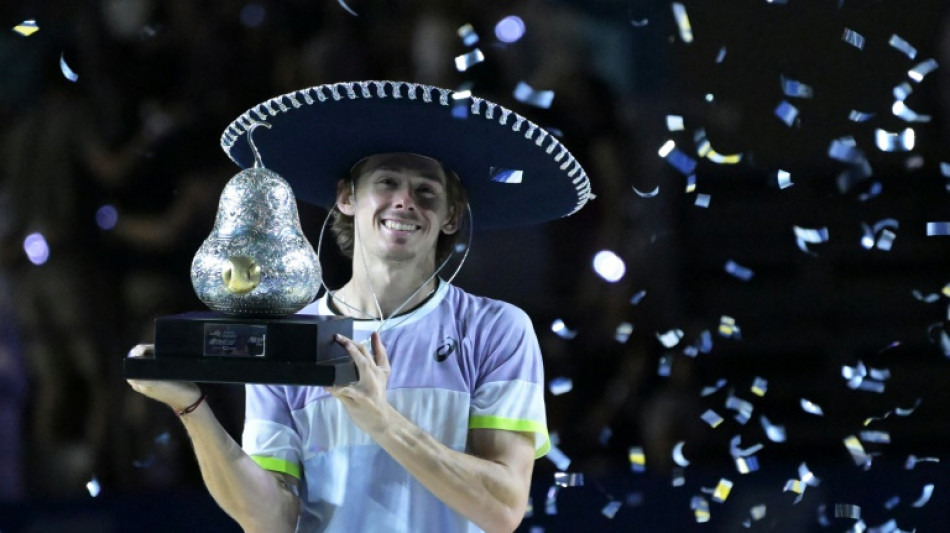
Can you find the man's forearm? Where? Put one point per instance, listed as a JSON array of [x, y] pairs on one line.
[[490, 494], [252, 496]]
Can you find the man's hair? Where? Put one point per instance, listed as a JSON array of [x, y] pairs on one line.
[[457, 201]]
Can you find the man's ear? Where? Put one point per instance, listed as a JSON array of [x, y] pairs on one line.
[[451, 225], [344, 197]]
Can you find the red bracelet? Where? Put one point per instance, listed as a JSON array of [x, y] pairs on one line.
[[193, 406]]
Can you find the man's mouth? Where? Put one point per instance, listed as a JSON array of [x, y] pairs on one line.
[[400, 226]]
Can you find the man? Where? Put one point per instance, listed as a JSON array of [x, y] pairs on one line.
[[442, 428]]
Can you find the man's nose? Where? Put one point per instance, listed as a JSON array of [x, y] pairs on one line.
[[404, 199]]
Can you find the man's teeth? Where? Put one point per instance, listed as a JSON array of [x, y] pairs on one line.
[[400, 226]]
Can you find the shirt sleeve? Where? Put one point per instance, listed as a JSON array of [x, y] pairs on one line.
[[270, 437], [509, 389]]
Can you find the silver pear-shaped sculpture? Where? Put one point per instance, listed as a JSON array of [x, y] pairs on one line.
[[256, 261]]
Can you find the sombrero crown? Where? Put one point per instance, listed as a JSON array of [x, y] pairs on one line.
[[515, 172]]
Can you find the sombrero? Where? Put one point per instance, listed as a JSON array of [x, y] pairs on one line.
[[515, 172]]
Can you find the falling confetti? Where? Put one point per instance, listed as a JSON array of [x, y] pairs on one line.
[[853, 38], [721, 55], [561, 330], [678, 456], [900, 44], [702, 200], [938, 228], [503, 175], [786, 112], [671, 338], [674, 122], [609, 266], [857, 452], [775, 433], [912, 461], [651, 194], [26, 28], [920, 70], [700, 508], [468, 35], [784, 179], [468, 60], [559, 386], [525, 94], [924, 496], [67, 72], [666, 366], [738, 271], [622, 334], [894, 142], [93, 487], [759, 386], [722, 490], [610, 510], [860, 116], [713, 389], [796, 89], [742, 407], [677, 158], [682, 22], [638, 297], [347, 8], [728, 327], [847, 510], [565, 479], [876, 437], [637, 459], [712, 418], [806, 236], [812, 408]]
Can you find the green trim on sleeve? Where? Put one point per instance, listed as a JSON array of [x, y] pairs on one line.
[[542, 442], [277, 465]]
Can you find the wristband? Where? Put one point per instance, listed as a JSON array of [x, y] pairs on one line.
[[193, 406]]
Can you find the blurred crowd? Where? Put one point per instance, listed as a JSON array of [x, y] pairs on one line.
[[109, 183]]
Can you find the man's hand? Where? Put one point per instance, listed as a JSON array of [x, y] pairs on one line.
[[176, 394], [365, 400]]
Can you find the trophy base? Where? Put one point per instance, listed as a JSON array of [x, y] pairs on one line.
[[216, 348]]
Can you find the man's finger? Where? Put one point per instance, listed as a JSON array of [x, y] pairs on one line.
[[379, 351]]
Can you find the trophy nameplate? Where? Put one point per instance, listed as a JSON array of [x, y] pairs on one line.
[[213, 347]]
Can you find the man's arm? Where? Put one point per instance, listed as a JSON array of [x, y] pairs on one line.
[[257, 499], [490, 486]]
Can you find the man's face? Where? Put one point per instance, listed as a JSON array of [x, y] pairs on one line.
[[400, 208]]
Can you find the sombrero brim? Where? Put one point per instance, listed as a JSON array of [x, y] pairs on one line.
[[319, 133]]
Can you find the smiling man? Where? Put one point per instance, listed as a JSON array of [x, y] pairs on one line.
[[441, 431]]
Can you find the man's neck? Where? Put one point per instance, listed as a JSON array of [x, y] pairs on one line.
[[393, 285]]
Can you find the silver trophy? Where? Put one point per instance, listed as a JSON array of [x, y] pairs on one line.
[[254, 271]]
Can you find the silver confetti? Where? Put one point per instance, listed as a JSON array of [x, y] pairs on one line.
[[682, 22], [526, 94], [760, 386], [806, 236], [623, 332], [900, 44], [728, 328], [559, 458], [678, 456], [853, 38], [738, 271], [713, 389], [876, 437], [736, 451], [784, 179], [900, 411], [636, 298], [671, 338], [847, 510], [892, 502], [702, 200], [938, 228], [901, 111], [857, 452], [912, 461], [674, 122], [924, 496], [504, 175], [860, 116], [921, 70], [550, 501], [651, 194], [93, 487], [468, 60], [902, 91], [639, 23], [610, 510], [560, 329], [926, 298], [679, 479], [811, 408], [742, 407], [845, 149], [666, 366], [796, 89], [677, 158], [786, 112], [721, 55], [894, 142], [468, 35], [712, 418], [559, 386], [565, 479], [26, 28], [347, 8], [746, 465], [67, 72], [722, 490], [637, 459]]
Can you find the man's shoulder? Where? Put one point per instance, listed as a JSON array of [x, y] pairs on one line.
[[486, 308]]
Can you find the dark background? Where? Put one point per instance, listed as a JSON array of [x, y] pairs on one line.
[[158, 82]]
